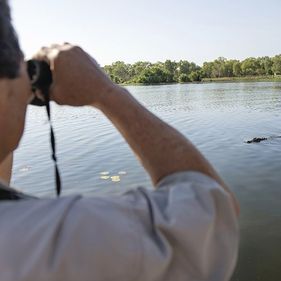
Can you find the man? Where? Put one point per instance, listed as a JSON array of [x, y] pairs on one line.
[[185, 230]]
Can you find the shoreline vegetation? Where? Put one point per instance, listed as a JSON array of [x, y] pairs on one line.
[[259, 78], [261, 69]]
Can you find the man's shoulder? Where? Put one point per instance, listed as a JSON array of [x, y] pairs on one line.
[[136, 234]]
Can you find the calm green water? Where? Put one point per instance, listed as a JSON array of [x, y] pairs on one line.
[[218, 118]]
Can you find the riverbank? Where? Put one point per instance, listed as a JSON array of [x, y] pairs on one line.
[[261, 78], [270, 78]]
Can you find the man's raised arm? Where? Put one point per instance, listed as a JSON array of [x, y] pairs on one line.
[[162, 150]]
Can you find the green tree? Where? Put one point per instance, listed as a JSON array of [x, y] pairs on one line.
[[266, 64], [228, 68], [184, 71], [195, 76], [183, 78], [139, 67], [250, 66], [207, 69], [183, 67], [121, 71], [237, 71], [276, 67], [170, 68], [219, 67], [153, 75]]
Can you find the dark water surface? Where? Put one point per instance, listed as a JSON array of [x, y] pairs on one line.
[[218, 118]]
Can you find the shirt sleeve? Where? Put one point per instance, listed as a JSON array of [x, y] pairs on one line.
[[188, 229], [185, 230]]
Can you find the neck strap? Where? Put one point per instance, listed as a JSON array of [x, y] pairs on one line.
[[41, 80], [53, 142]]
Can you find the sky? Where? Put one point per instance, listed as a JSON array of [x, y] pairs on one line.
[[152, 30]]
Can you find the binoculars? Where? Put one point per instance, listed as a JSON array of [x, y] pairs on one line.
[[40, 76]]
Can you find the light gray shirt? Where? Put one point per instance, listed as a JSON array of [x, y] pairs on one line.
[[186, 230]]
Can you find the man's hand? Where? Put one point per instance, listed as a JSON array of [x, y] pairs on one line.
[[78, 80]]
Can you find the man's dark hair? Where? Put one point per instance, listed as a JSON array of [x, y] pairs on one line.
[[10, 53]]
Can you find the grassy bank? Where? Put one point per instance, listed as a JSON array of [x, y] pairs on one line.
[[263, 78], [216, 80]]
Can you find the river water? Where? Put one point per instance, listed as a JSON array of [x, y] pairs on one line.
[[217, 117]]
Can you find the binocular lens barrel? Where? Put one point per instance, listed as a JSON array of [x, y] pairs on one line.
[[40, 76]]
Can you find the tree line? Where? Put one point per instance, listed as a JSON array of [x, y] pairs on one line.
[[184, 71]]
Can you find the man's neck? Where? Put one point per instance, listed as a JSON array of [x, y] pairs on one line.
[[6, 169]]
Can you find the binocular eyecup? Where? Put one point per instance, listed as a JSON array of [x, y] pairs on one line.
[[40, 76]]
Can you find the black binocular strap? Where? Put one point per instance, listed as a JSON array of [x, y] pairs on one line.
[[45, 92]]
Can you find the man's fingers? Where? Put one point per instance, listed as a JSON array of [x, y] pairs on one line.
[[55, 46], [49, 54], [42, 54]]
